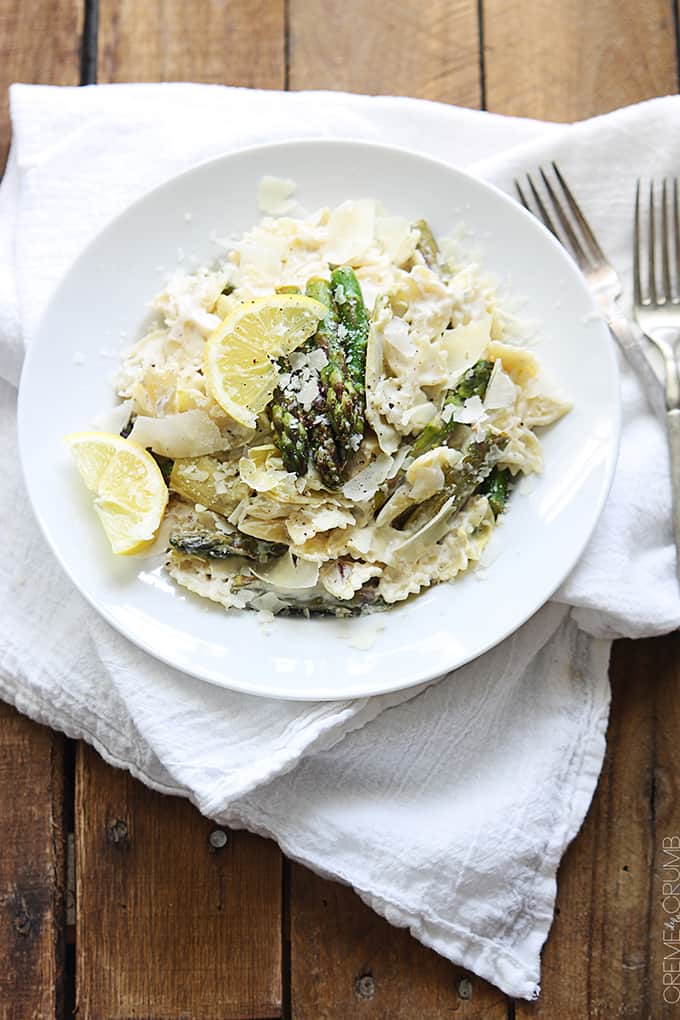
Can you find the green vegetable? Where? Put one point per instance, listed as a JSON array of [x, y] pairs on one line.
[[354, 318], [460, 482], [427, 246], [209, 544], [473, 383], [332, 429], [290, 432], [325, 453], [496, 488], [343, 405]]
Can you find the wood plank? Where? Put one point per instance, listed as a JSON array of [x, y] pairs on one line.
[[32, 876], [604, 956], [347, 961], [29, 54], [423, 48], [661, 967], [232, 42], [32, 862], [565, 61], [169, 926]]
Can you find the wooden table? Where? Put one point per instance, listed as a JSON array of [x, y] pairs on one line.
[[121, 901]]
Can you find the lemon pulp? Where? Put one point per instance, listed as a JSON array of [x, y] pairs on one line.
[[239, 356], [130, 494]]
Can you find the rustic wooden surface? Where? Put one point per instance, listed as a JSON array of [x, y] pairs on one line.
[[197, 924], [25, 54], [32, 875], [430, 50], [168, 926], [566, 61]]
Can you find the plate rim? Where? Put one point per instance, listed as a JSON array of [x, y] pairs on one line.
[[266, 690]]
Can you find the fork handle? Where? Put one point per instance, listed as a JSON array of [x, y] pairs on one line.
[[632, 347], [673, 420]]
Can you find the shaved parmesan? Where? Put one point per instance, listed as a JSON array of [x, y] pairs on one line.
[[274, 195], [471, 413], [260, 476], [365, 483], [187, 434], [317, 359], [465, 345], [115, 419], [396, 237], [350, 231], [267, 604], [397, 335], [501, 391], [288, 573], [426, 473]]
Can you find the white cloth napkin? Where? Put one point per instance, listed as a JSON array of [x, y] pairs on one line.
[[448, 808]]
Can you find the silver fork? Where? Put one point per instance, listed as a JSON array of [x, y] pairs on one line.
[[657, 311], [657, 307], [575, 233]]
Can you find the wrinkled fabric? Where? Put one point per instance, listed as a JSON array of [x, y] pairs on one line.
[[447, 807]]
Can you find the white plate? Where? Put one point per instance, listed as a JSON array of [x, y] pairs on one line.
[[544, 532]]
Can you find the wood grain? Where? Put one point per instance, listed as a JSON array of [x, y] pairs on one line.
[[28, 53], [167, 926], [423, 48], [232, 42], [565, 61], [32, 860], [347, 961], [32, 873], [604, 956]]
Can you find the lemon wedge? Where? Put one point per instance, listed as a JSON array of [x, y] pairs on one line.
[[239, 355], [130, 494]]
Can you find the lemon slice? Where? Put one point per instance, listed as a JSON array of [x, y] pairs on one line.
[[239, 355], [129, 490]]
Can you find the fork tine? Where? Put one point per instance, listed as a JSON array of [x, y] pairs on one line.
[[637, 282], [676, 234], [591, 240], [577, 247], [665, 238], [522, 199], [545, 215], [651, 243]]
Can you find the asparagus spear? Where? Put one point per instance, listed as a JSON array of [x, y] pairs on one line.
[[461, 482], [290, 431], [354, 318], [345, 405], [333, 427], [473, 383], [219, 546], [496, 488], [427, 246], [324, 450]]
